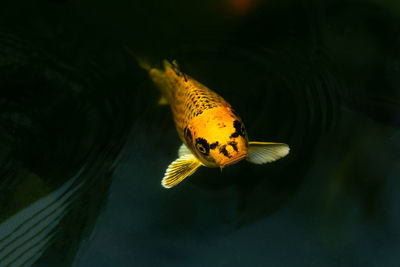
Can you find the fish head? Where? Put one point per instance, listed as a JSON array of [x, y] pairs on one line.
[[219, 138]]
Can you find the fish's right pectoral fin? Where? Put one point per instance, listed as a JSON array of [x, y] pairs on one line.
[[178, 170]]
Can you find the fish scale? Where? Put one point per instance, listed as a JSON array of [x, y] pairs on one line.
[[188, 99]]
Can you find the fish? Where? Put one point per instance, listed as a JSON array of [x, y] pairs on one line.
[[212, 133]]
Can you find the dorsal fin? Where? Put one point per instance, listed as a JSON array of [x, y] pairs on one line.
[[175, 66]]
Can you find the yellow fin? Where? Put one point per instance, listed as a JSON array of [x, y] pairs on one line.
[[264, 152], [179, 170], [184, 150], [163, 101]]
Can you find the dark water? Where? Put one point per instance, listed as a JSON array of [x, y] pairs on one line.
[[84, 145]]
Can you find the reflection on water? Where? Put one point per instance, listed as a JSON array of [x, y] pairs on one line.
[[55, 123], [84, 145], [25, 235]]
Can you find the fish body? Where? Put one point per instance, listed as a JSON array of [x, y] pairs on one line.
[[212, 133]]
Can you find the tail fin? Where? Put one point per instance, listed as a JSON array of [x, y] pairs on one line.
[[144, 64]]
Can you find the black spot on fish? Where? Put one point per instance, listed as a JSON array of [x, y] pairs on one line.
[[214, 145], [237, 125], [239, 129], [202, 146], [234, 135], [234, 145], [224, 151]]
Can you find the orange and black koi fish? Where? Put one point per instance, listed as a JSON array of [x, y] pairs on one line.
[[213, 134]]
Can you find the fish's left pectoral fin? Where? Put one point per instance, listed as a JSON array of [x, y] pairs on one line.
[[178, 170], [264, 152]]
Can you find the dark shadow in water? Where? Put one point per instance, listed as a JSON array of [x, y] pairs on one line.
[[60, 132]]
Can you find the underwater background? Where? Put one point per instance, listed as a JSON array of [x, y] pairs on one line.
[[84, 145]]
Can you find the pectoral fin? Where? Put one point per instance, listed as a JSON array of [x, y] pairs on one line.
[[184, 150], [264, 152], [179, 170], [163, 101]]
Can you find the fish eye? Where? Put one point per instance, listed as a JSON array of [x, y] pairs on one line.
[[201, 148]]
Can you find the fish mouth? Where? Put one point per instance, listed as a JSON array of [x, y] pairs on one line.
[[233, 161]]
